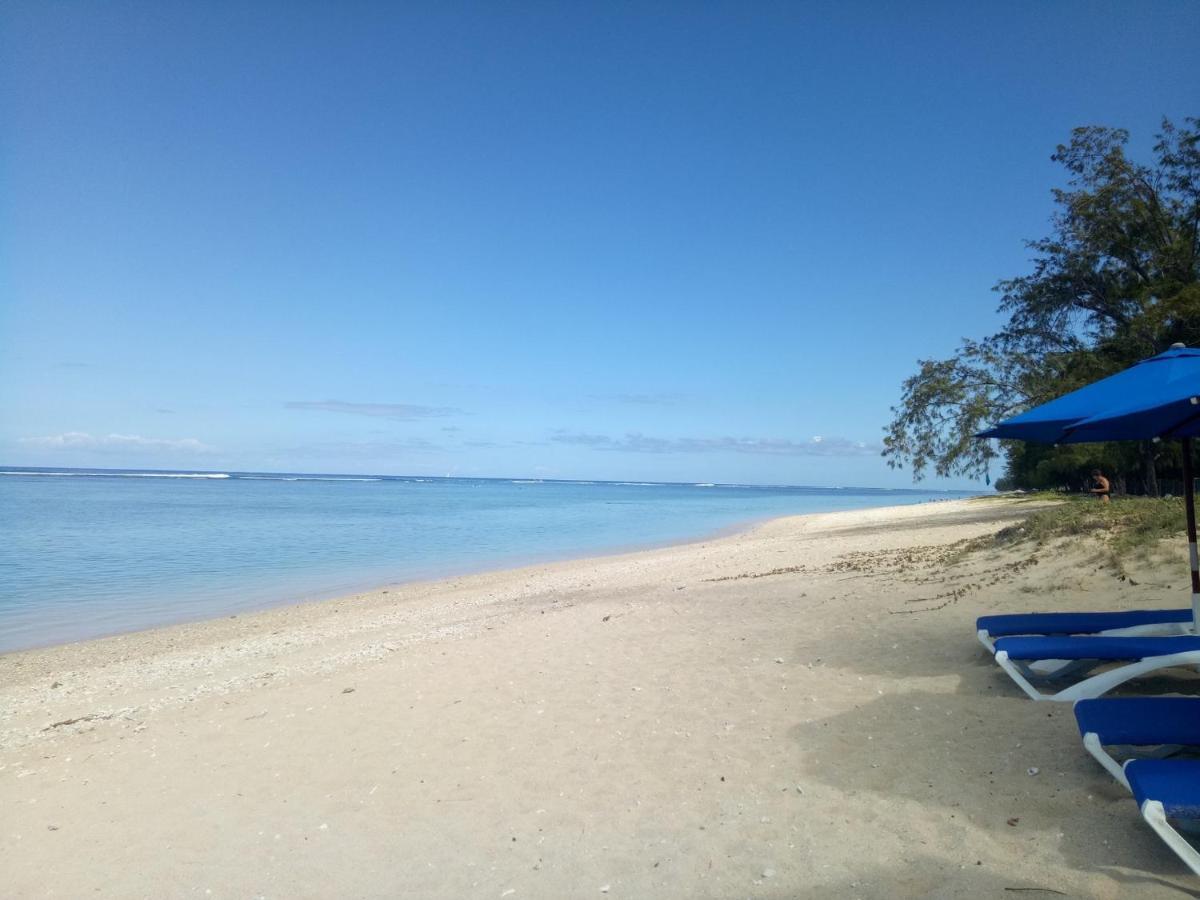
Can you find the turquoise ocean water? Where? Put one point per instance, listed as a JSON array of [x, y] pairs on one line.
[[86, 552]]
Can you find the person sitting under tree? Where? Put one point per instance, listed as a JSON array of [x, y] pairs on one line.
[[1100, 486]]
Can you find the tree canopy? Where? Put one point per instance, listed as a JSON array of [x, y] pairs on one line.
[[1117, 280]]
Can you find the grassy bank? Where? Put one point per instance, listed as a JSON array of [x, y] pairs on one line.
[[1128, 527]]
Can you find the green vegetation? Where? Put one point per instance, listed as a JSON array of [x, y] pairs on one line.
[[1129, 527], [1117, 280]]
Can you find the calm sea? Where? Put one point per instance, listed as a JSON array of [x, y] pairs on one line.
[[87, 552]]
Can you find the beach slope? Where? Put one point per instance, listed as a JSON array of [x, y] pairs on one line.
[[799, 710]]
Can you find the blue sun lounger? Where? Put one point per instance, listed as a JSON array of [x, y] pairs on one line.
[[1162, 722], [1024, 659], [1168, 791], [1131, 622]]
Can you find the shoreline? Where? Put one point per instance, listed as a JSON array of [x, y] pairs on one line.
[[473, 594], [800, 709], [243, 638], [283, 598]]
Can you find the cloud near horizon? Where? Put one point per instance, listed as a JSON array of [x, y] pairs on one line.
[[81, 440], [640, 443], [401, 412]]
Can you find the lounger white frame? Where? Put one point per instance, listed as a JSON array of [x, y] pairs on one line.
[[1156, 818], [1101, 683], [1091, 743]]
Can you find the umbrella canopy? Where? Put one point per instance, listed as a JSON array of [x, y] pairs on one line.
[[1145, 401], [1156, 398], [1175, 419]]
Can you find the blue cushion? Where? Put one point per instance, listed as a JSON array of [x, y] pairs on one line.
[[1143, 721], [1075, 622], [1175, 783], [1095, 647]]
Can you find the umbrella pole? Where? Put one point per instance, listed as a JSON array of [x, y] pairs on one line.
[[1189, 501]]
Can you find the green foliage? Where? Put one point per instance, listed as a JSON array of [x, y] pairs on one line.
[[1127, 527], [1043, 467], [1117, 280]]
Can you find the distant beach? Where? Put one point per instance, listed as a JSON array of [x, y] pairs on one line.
[[797, 710], [89, 552]]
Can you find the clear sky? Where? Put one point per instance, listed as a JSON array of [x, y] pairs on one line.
[[693, 241]]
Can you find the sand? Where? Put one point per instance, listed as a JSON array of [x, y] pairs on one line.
[[799, 710]]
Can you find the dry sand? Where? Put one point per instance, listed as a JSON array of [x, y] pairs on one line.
[[658, 724]]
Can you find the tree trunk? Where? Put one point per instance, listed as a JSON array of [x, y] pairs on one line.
[[1149, 476]]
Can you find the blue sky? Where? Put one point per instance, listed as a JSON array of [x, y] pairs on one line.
[[699, 242]]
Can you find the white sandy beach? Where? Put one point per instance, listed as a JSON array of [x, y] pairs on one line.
[[658, 724]]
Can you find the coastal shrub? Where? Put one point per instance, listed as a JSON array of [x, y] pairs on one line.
[[1128, 527]]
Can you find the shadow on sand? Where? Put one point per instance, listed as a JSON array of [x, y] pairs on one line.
[[974, 769]]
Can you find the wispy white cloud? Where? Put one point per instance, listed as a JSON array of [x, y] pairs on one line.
[[640, 443], [82, 440], [403, 412]]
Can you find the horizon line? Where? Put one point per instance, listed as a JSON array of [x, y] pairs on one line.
[[528, 479]]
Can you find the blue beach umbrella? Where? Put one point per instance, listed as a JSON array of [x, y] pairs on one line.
[[1145, 398], [1174, 419], [1157, 398]]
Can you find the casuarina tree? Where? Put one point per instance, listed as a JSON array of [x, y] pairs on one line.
[[1117, 280]]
